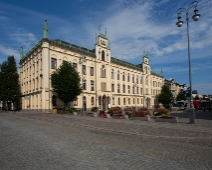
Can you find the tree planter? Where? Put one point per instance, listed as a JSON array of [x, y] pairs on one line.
[[75, 113], [167, 119]]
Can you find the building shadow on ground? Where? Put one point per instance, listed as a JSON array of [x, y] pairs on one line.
[[198, 115]]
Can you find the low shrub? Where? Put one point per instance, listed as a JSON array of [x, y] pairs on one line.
[[115, 110], [141, 112], [62, 112], [161, 112], [138, 114], [70, 110], [129, 110], [94, 109]]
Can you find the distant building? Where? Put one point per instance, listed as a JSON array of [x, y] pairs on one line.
[[175, 87], [105, 79]]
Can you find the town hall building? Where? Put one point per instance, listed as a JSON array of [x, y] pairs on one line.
[[106, 81]]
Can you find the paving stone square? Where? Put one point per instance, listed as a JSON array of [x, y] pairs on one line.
[[33, 140]]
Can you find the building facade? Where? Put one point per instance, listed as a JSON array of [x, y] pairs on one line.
[[175, 88], [106, 81]]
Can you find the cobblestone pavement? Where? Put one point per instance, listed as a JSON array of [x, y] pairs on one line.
[[51, 141]]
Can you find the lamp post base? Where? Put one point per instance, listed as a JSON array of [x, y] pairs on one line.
[[191, 115]]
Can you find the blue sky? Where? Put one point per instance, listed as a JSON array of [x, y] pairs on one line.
[[133, 26]]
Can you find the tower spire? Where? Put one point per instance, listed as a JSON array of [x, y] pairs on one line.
[[21, 53], [161, 72], [45, 30], [99, 29]]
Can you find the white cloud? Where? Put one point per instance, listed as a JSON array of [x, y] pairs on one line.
[[8, 51]]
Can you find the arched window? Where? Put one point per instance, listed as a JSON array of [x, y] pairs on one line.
[[141, 80], [100, 100], [124, 101], [112, 74], [103, 55], [119, 101], [103, 71], [123, 76], [147, 81], [118, 75]]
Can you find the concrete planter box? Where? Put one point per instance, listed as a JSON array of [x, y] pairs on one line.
[[167, 119], [108, 115], [139, 118], [126, 116], [95, 114]]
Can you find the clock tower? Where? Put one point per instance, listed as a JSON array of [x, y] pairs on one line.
[[102, 47], [146, 64]]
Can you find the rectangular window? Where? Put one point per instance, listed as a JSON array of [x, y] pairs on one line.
[[141, 81], [84, 69], [129, 89], [137, 90], [112, 87], [103, 73], [75, 103], [118, 88], [53, 63], [92, 85], [84, 84], [103, 86], [91, 71], [75, 66], [123, 88], [147, 91], [141, 91]]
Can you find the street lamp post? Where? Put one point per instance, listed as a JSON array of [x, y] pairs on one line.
[[195, 17], [82, 59], [135, 86]]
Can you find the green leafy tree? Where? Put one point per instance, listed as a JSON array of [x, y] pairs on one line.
[[181, 97], [65, 83], [165, 97], [9, 81], [196, 97]]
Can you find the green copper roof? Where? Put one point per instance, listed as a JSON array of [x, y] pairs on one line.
[[156, 74], [124, 63], [73, 47]]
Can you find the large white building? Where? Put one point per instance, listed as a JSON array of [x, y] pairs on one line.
[[105, 80]]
